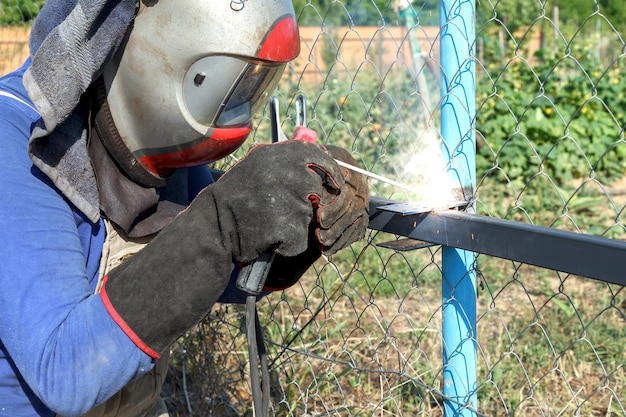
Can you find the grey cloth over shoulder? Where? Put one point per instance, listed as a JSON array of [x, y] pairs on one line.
[[70, 41]]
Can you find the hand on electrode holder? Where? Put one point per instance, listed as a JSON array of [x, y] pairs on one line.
[[334, 226], [289, 196], [279, 192]]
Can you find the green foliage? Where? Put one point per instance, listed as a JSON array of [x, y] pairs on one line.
[[359, 12], [576, 11], [546, 129], [351, 12], [19, 11], [559, 118], [515, 14], [511, 14]]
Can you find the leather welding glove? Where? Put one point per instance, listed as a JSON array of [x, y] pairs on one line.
[[268, 200], [286, 271]]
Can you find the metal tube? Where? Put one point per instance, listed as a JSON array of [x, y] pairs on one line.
[[458, 108], [589, 256]]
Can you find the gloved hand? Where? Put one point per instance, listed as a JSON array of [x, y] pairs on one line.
[[288, 201], [277, 197], [286, 271]]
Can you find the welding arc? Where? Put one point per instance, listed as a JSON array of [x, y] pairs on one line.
[[376, 176]]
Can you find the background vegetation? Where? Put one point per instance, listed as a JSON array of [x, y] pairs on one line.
[[512, 13], [15, 12]]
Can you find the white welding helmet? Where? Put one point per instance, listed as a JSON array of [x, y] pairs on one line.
[[183, 88]]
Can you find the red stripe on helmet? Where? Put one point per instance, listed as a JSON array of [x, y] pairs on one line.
[[282, 43], [220, 143]]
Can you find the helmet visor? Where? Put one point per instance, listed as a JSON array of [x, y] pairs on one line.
[[252, 90], [225, 91]]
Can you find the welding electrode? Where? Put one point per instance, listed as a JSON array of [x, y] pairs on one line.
[[376, 176]]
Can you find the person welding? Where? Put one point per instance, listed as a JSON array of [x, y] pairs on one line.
[[115, 239]]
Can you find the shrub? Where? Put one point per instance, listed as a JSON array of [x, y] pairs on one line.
[[562, 117], [19, 11]]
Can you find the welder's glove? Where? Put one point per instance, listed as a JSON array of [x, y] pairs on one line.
[[286, 271], [274, 198]]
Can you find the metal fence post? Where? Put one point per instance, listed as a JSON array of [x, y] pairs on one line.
[[458, 108]]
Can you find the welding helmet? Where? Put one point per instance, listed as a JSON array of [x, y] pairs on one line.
[[183, 88]]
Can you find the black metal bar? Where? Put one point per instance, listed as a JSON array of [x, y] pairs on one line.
[[589, 256]]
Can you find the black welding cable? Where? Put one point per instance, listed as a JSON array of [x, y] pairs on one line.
[[253, 355], [256, 349], [265, 373]]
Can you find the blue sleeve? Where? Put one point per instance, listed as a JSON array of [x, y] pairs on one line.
[[60, 337], [199, 178]]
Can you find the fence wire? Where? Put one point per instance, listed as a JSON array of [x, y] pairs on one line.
[[361, 333]]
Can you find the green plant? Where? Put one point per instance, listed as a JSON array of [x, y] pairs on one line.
[[554, 124], [19, 11], [547, 126]]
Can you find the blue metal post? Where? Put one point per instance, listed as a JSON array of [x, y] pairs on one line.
[[458, 108]]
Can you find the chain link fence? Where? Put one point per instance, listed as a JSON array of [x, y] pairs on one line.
[[361, 333]]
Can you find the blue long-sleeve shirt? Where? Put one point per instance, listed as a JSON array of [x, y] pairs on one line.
[[60, 351]]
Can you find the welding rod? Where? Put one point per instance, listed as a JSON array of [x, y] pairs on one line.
[[301, 121], [376, 176]]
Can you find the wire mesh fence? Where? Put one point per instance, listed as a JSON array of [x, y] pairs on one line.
[[361, 333]]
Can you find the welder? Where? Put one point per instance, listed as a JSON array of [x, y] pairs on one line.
[[114, 239]]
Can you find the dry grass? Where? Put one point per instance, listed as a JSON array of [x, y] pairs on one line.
[[546, 346]]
